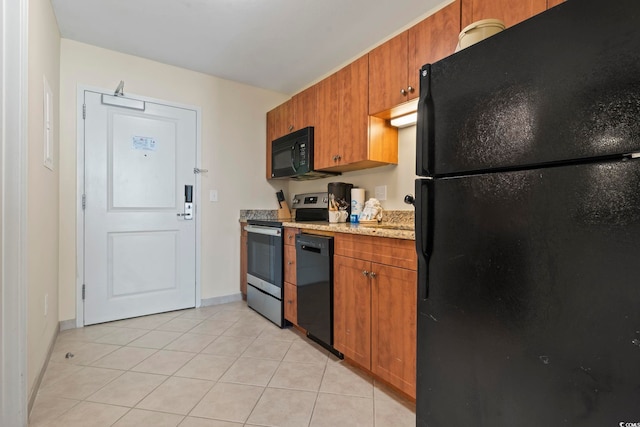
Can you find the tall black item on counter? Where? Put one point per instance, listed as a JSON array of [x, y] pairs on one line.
[[528, 226], [340, 196]]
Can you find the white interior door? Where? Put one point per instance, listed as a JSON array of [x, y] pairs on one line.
[[139, 247]]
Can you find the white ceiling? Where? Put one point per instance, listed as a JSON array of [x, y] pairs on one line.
[[281, 45]]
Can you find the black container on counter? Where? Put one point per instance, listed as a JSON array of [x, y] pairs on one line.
[[340, 197]]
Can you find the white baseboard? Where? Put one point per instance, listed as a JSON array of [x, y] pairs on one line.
[[67, 324], [36, 387], [221, 300]]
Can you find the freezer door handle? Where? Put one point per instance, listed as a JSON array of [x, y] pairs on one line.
[[424, 218], [425, 131]]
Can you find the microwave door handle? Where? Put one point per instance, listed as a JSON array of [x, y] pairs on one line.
[[294, 154]]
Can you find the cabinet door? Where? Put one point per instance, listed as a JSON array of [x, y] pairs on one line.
[[352, 309], [305, 106], [431, 40], [291, 302], [290, 264], [388, 74], [243, 260], [279, 121], [509, 11], [326, 130], [393, 326], [354, 108]]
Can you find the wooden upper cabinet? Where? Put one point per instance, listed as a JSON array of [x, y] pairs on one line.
[[305, 107], [394, 66], [430, 40], [346, 138], [354, 117], [388, 74], [510, 12], [551, 3], [326, 130]]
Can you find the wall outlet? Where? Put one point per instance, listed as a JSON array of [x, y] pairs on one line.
[[381, 192], [213, 195], [46, 304]]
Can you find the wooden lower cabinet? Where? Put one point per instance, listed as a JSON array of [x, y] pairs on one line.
[[352, 309], [375, 308], [290, 282], [291, 302], [243, 260], [393, 326]]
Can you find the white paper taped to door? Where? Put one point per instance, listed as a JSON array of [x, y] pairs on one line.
[[144, 143]]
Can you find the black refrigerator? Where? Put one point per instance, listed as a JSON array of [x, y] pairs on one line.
[[528, 224]]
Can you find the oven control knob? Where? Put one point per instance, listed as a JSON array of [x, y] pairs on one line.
[[296, 201]]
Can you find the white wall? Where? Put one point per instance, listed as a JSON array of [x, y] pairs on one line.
[[42, 190], [233, 150], [399, 178]]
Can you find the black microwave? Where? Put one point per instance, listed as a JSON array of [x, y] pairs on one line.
[[292, 156]]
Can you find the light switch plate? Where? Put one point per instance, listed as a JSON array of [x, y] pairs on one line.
[[213, 195]]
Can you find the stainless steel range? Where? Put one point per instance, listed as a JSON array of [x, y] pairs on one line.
[[311, 206], [265, 269]]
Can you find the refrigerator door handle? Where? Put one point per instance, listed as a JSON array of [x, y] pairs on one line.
[[425, 130], [423, 234]]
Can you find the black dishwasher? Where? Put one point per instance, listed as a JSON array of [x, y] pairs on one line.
[[314, 277]]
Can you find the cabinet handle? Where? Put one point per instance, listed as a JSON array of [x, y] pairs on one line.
[[411, 89], [290, 236], [335, 158], [372, 275], [290, 128], [289, 262], [365, 273], [339, 157], [403, 92]]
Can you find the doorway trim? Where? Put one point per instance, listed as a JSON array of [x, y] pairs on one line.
[[80, 190], [13, 206]]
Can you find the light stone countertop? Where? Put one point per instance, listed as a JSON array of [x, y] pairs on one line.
[[396, 224]]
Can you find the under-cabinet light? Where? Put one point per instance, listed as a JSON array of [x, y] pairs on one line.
[[404, 121]]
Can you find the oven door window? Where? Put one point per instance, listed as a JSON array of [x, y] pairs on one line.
[[265, 257]]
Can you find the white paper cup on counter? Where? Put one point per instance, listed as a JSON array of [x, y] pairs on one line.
[[357, 203]]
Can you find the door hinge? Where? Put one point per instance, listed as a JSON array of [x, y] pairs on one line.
[[84, 201], [83, 291], [84, 111]]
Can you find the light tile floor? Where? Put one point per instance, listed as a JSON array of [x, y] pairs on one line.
[[219, 366]]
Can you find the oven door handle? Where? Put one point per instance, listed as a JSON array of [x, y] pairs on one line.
[[268, 231]]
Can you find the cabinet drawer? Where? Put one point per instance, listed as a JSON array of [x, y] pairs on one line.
[[382, 250]]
